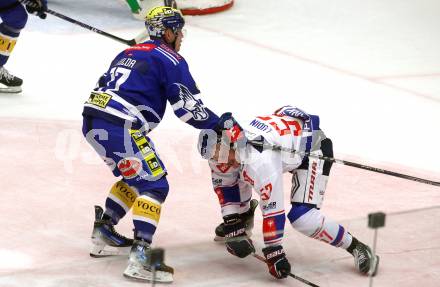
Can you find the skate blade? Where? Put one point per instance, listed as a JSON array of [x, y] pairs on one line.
[[10, 90], [138, 273], [374, 270], [219, 239], [98, 251]]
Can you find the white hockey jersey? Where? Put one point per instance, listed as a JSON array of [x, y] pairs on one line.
[[261, 169]]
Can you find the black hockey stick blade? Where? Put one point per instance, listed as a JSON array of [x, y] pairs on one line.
[[85, 26], [261, 258]]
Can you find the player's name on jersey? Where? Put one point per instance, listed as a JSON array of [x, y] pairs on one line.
[[126, 62]]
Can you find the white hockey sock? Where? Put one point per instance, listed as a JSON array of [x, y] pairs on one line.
[[315, 225]]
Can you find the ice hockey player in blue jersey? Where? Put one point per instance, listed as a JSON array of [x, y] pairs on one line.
[[255, 157], [14, 18], [128, 102]]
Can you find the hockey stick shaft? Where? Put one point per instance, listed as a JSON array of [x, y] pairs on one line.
[[85, 26], [261, 258], [349, 163]]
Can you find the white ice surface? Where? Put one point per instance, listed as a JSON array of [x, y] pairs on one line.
[[341, 61], [370, 69]]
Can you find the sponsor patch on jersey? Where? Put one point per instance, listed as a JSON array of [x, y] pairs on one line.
[[217, 181], [147, 152], [99, 99], [130, 167], [145, 149], [7, 44], [270, 205], [124, 193], [153, 164], [136, 135], [146, 208], [141, 47], [312, 180]]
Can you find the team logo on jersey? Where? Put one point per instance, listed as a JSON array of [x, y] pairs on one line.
[[223, 167], [191, 104], [130, 167]]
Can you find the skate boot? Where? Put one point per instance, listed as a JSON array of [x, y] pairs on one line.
[[139, 267], [106, 241], [9, 83], [364, 259], [247, 217]]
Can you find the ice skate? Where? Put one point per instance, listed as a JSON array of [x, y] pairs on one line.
[[139, 267], [106, 241], [9, 83], [364, 259], [248, 218]]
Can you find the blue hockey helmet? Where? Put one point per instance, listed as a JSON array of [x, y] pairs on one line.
[[160, 18]]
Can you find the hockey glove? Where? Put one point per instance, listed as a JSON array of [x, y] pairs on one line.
[[277, 262], [236, 240], [227, 123], [37, 7]]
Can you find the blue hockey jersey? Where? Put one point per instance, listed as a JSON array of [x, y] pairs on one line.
[[138, 84]]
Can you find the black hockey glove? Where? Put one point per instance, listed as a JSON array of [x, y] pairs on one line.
[[37, 7], [236, 240], [277, 262]]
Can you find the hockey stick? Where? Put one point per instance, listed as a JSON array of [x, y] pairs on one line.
[[348, 163], [88, 27], [261, 258]]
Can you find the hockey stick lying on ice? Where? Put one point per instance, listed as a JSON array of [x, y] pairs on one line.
[[349, 163], [88, 27], [261, 258]]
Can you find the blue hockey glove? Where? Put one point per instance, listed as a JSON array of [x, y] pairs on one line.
[[37, 7], [276, 261], [227, 123], [236, 240]]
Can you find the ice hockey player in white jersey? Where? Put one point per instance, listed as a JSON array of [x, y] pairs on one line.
[[255, 157]]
